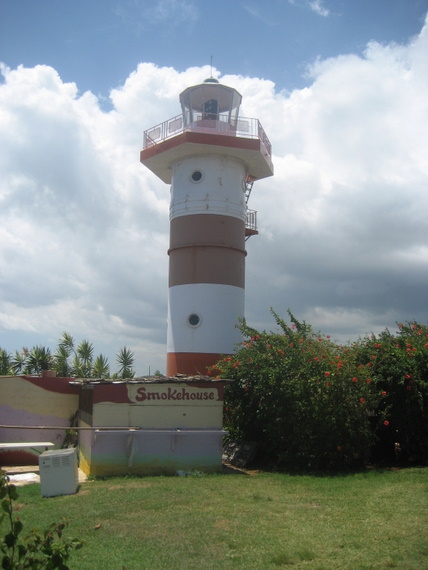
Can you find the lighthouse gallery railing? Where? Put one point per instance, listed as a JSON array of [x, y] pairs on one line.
[[242, 127]]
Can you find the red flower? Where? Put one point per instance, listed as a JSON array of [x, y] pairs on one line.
[[354, 380], [368, 381], [339, 448], [328, 384], [408, 376], [386, 423], [328, 336], [362, 400], [384, 394], [327, 374]]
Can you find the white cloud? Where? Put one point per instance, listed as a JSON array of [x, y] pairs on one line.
[[318, 7], [84, 226]]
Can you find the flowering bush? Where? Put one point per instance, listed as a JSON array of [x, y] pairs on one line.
[[400, 366], [309, 402]]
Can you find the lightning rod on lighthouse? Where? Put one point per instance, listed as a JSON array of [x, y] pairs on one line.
[[211, 156]]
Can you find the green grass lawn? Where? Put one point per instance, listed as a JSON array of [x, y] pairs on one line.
[[375, 519]]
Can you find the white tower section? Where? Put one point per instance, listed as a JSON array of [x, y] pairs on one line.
[[211, 157]]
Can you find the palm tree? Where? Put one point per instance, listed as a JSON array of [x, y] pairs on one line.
[[19, 361], [101, 368], [85, 354], [66, 342], [40, 358], [5, 362], [67, 361], [62, 365], [125, 359]]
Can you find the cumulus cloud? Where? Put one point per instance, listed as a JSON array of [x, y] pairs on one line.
[[84, 226]]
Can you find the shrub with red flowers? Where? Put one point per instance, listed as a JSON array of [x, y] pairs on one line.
[[307, 401], [312, 403], [400, 365]]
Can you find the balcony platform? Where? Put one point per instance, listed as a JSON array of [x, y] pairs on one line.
[[170, 141], [159, 158]]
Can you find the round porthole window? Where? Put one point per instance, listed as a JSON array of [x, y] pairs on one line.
[[194, 320], [197, 176]]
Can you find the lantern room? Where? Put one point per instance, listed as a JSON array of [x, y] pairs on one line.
[[210, 101]]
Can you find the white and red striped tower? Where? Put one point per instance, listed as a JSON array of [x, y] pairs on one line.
[[211, 157]]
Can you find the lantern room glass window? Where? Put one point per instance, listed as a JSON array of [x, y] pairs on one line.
[[210, 101]]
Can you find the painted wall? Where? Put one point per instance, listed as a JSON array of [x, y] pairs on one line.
[[34, 401], [178, 427], [155, 427]]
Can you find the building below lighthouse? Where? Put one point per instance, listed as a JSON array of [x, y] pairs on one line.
[[211, 157]]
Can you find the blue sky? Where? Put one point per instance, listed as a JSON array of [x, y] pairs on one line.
[[98, 43], [340, 88]]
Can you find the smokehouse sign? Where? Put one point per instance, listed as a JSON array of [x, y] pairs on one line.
[[181, 394]]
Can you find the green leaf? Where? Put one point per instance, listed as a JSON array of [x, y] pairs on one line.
[[10, 539], [17, 526]]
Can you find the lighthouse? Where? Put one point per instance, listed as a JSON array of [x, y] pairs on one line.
[[210, 156]]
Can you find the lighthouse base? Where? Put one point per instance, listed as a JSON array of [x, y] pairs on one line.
[[190, 363]]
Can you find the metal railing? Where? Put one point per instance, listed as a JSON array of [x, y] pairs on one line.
[[241, 127], [251, 222]]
